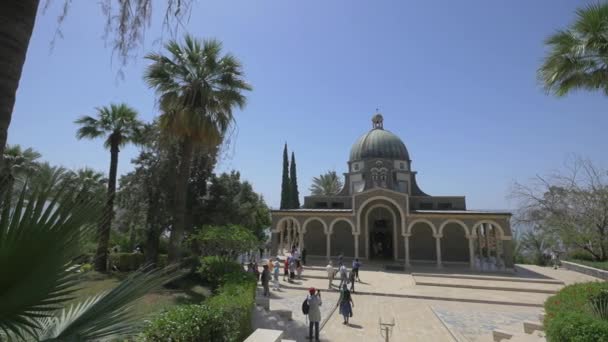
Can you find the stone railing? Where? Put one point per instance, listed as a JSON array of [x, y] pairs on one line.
[[595, 272]]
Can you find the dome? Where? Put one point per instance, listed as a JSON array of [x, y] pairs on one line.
[[379, 143]]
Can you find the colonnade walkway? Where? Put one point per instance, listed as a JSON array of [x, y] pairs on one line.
[[427, 304]]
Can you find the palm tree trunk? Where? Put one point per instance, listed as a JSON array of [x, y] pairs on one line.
[[152, 232], [181, 194], [17, 18], [101, 256]]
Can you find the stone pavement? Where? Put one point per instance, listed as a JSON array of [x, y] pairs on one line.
[[441, 311]]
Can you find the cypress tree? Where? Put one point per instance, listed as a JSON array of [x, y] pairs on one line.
[[293, 189], [285, 185]]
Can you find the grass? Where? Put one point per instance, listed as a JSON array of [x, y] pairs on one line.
[[602, 265], [182, 291]]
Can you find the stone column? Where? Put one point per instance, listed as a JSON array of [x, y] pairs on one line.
[[471, 252], [356, 237], [328, 246], [406, 240], [438, 249], [288, 238], [281, 247], [487, 230], [301, 239]]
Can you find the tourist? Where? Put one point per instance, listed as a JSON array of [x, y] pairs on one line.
[[340, 259], [299, 268], [314, 312], [346, 304], [270, 264], [286, 269], [276, 270], [292, 270], [250, 267], [266, 281], [304, 255], [356, 266], [343, 276], [351, 279], [296, 253], [554, 259], [256, 271], [331, 272]]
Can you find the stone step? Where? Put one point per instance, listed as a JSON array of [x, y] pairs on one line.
[[265, 335], [288, 341], [499, 335], [532, 326], [490, 277]]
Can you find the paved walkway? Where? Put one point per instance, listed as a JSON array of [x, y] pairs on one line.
[[441, 311]]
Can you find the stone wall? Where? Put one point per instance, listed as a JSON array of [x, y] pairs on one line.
[[595, 272]]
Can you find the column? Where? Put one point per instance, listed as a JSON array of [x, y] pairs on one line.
[[288, 228], [471, 252], [356, 237], [406, 240], [438, 249], [280, 252], [301, 240], [487, 230], [328, 246]]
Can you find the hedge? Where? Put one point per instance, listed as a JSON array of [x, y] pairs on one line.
[[568, 316], [225, 317], [214, 270], [124, 262]]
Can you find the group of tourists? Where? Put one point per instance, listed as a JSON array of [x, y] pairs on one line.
[[346, 277], [293, 267]]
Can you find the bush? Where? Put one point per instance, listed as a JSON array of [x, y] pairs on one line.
[[569, 316], [86, 267], [223, 317], [581, 254], [125, 262], [215, 269]]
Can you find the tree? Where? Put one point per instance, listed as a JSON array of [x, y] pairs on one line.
[[285, 183], [293, 188], [125, 21], [570, 206], [225, 241], [198, 89], [120, 124], [327, 184], [43, 232], [19, 165], [578, 55]]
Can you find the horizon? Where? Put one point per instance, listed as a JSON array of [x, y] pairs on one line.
[[474, 119]]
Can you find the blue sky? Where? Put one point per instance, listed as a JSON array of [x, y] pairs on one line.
[[456, 80]]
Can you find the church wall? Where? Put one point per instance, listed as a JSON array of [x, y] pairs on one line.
[[342, 240], [422, 243], [454, 244], [314, 239]]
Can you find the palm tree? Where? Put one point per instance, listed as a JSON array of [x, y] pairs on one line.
[[19, 165], [578, 56], [119, 123], [326, 184], [43, 232], [198, 89]]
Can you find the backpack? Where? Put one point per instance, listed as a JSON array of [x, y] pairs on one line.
[[305, 307]]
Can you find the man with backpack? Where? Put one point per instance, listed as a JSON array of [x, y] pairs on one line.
[[311, 307]]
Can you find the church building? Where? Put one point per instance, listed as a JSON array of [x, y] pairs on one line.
[[382, 214]]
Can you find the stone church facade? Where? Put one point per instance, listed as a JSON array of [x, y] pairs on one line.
[[382, 214]]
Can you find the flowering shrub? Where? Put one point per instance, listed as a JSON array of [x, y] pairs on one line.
[[569, 316]]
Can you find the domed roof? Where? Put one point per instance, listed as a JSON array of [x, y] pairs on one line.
[[379, 143]]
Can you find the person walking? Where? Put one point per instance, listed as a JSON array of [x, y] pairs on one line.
[[304, 255], [343, 276], [351, 279], [256, 272], [340, 259], [299, 268], [331, 272], [286, 269], [292, 270], [266, 281], [356, 266], [314, 312], [275, 272], [346, 304]]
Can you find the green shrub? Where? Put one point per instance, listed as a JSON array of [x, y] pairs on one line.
[[569, 316], [86, 267], [223, 317], [581, 254], [215, 269], [126, 262]]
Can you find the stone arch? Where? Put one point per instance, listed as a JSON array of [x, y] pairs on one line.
[[364, 238], [419, 220], [286, 218], [380, 198], [422, 241], [460, 223], [308, 220], [315, 236], [342, 239], [454, 242], [341, 219], [493, 223]]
